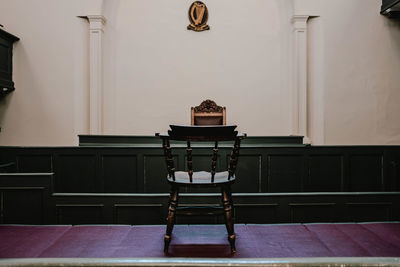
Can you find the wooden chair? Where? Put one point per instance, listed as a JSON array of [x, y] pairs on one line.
[[208, 113], [211, 178]]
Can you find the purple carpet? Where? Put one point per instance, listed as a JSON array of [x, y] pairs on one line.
[[253, 241]]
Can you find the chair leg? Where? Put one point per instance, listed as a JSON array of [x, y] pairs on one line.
[[173, 202], [228, 208]]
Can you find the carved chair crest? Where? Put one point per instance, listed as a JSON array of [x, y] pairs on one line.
[[208, 113]]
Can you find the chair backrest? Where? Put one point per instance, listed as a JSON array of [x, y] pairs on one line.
[[208, 113], [213, 133]]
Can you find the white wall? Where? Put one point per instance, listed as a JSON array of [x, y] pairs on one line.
[[362, 74], [50, 71], [355, 62], [155, 69]]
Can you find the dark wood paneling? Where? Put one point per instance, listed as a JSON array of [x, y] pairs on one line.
[[119, 170], [8, 167], [369, 211], [285, 173], [260, 169], [155, 174], [79, 213], [393, 171], [249, 174], [202, 162], [312, 212], [256, 213], [26, 198], [138, 214], [325, 173], [301, 170], [249, 208], [366, 173], [76, 173], [35, 163], [22, 205], [194, 219]]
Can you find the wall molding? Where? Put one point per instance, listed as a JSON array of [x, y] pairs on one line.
[[96, 102], [300, 123]]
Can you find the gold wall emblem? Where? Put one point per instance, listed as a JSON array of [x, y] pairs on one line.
[[198, 16]]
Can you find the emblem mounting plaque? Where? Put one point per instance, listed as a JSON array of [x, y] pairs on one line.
[[198, 16]]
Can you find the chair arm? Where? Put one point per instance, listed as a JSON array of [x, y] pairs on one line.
[[162, 135], [241, 136]]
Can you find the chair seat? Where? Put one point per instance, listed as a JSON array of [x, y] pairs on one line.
[[202, 177]]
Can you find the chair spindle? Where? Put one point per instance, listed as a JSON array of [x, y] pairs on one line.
[[214, 161], [169, 158], [234, 158], [189, 161]]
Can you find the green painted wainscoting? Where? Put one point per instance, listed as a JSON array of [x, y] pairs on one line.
[[111, 179]]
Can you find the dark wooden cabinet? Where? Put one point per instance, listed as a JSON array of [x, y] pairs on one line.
[[391, 8], [6, 50]]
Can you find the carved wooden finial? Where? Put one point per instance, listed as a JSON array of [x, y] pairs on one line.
[[208, 106]]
